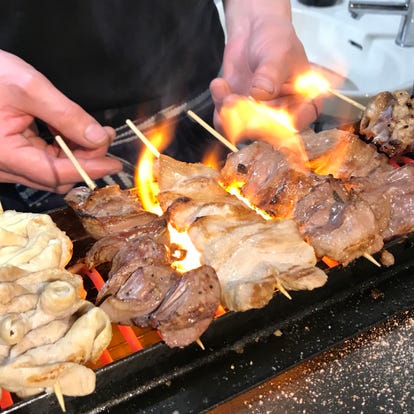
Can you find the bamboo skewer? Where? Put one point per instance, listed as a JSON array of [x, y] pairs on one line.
[[75, 162], [200, 344], [59, 396], [371, 259], [346, 99], [212, 131], [143, 138]]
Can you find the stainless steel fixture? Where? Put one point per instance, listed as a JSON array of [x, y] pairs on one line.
[[405, 34]]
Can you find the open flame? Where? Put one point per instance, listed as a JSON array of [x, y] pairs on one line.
[[183, 251], [246, 118], [145, 183], [311, 84]]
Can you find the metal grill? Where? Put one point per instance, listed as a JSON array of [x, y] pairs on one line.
[[139, 373]]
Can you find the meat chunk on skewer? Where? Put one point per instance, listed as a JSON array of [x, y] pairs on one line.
[[388, 122], [327, 215], [107, 210], [342, 154], [391, 196], [143, 290]]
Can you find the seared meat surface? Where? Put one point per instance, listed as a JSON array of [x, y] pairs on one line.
[[335, 223], [104, 249], [142, 288], [342, 154], [187, 312], [252, 257], [388, 122], [107, 210], [391, 196]]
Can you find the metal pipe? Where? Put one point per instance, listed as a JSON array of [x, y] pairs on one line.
[[405, 34]]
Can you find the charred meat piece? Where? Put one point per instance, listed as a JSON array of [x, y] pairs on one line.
[[388, 122], [337, 225], [107, 210], [188, 311], [266, 179], [139, 279], [326, 215], [391, 194], [342, 154], [144, 290], [104, 249]]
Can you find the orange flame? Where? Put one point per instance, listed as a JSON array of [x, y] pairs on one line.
[[245, 118], [311, 84], [212, 158], [145, 183], [331, 162]]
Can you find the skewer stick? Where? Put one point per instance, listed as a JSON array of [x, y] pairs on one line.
[[59, 396], [346, 99], [371, 259], [212, 131], [75, 162], [282, 289], [200, 344], [143, 138]]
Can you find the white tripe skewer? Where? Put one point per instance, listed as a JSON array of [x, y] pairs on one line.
[[75, 162], [229, 145]]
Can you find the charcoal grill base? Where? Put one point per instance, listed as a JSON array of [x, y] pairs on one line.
[[242, 350]]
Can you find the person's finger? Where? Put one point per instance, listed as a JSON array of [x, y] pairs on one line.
[[38, 165], [37, 96], [219, 89], [276, 67]]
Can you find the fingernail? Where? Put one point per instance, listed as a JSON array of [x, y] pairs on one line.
[[264, 84], [96, 133]]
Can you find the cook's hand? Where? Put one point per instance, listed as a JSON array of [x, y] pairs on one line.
[[262, 57], [25, 158]]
